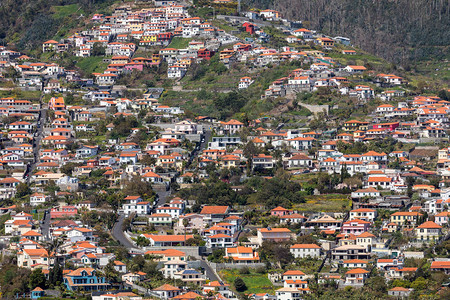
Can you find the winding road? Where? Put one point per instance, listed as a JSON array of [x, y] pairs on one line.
[[118, 234]]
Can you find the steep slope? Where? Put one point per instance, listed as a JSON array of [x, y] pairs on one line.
[[28, 22], [397, 30]]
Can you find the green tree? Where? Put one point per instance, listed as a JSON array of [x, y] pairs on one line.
[[142, 241], [185, 225], [377, 284], [55, 275], [239, 284], [444, 95], [147, 160], [37, 279], [68, 168], [136, 186], [419, 284], [110, 272], [22, 190], [217, 255], [137, 263], [98, 50]]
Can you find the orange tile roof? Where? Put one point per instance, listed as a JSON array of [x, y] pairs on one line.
[[169, 238], [429, 225], [166, 287], [206, 210], [293, 273], [440, 264], [357, 271]]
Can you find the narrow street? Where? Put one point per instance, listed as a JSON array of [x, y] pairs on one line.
[[118, 234], [209, 271], [45, 225], [37, 142]]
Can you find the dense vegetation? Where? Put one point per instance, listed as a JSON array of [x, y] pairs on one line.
[[399, 30], [28, 23]]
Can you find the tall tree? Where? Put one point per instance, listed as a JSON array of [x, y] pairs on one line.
[[37, 279]]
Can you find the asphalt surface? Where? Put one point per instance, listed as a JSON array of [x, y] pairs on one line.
[[45, 225], [209, 272], [162, 197], [37, 144], [118, 234]]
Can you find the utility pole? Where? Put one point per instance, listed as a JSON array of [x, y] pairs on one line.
[[239, 7]]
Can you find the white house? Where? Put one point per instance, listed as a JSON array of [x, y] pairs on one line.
[[37, 199], [176, 71], [245, 82], [365, 214], [135, 204], [305, 250]]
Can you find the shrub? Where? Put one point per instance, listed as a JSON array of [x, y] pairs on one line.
[[244, 270], [239, 284], [260, 270]]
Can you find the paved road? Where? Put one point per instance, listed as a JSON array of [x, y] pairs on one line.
[[209, 272], [37, 143], [45, 226], [118, 234], [162, 197], [202, 146]]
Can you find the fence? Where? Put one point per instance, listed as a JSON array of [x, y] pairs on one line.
[[221, 266]]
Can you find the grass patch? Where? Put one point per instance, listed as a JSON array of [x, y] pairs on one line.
[[19, 94], [308, 265], [92, 64], [223, 25], [60, 12], [38, 216], [255, 282], [325, 203], [303, 111], [179, 43]]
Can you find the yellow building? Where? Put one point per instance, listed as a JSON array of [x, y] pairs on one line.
[[405, 217], [149, 38], [325, 42], [354, 125]]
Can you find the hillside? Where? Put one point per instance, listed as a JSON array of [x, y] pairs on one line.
[[400, 31], [26, 23]]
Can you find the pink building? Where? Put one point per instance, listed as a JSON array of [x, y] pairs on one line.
[[134, 66], [280, 211], [355, 226], [389, 126], [63, 212]]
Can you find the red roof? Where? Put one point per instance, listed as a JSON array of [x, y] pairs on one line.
[[357, 271], [169, 238], [440, 265], [208, 210], [429, 225]]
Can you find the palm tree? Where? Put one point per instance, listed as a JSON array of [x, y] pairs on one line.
[[54, 245]]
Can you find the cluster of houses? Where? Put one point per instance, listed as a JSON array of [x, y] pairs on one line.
[[39, 140]]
